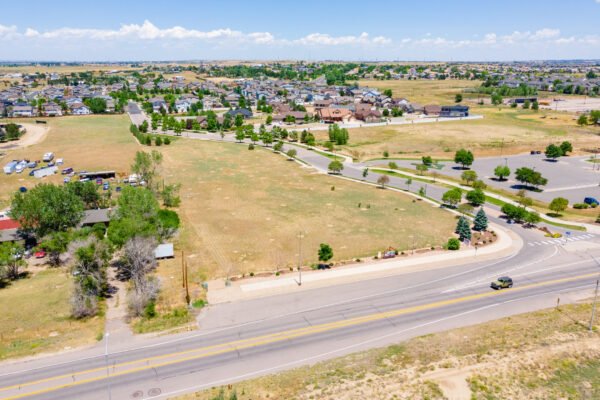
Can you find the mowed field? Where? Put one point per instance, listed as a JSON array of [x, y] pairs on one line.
[[92, 143], [501, 131], [242, 210], [35, 316]]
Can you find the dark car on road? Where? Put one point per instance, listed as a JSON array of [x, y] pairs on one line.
[[67, 171], [502, 283]]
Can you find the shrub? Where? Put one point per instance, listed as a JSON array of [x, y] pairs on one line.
[[581, 205], [251, 273], [453, 244], [168, 219], [167, 141], [150, 310], [250, 146]]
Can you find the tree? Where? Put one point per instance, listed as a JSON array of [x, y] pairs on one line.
[[535, 106], [383, 180], [532, 218], [136, 263], [55, 244], [97, 105], [526, 104], [291, 153], [278, 146], [566, 147], [145, 165], [12, 131], [11, 259], [476, 197], [267, 138], [427, 160], [452, 197], [337, 135], [464, 157], [530, 177], [421, 168], [336, 167], [239, 120], [463, 229], [523, 199], [86, 191], [136, 215], [496, 99], [582, 120], [89, 270], [553, 151], [594, 116], [408, 183], [469, 176], [558, 204], [480, 223], [240, 135], [458, 98], [392, 165], [514, 212], [453, 244], [254, 137], [47, 208], [365, 172], [502, 172], [170, 195], [325, 252]]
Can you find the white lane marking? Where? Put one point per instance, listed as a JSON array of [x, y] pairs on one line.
[[345, 348], [478, 281], [258, 321]]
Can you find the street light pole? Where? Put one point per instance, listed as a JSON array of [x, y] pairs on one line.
[[106, 360], [594, 306]]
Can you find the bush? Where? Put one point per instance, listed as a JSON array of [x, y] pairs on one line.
[[167, 141], [250, 146], [453, 244], [150, 310], [580, 206], [168, 219]]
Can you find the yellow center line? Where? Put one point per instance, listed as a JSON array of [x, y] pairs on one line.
[[274, 337]]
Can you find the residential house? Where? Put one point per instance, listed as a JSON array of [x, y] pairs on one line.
[[299, 116], [454, 111], [51, 109], [329, 114], [158, 103], [182, 105], [244, 112], [23, 110], [368, 116], [416, 108], [432, 110], [79, 109]]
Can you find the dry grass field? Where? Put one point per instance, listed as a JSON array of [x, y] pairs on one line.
[[35, 316], [91, 143], [540, 355], [241, 211], [504, 131], [423, 91]]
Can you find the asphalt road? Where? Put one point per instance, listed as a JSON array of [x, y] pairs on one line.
[[240, 340]]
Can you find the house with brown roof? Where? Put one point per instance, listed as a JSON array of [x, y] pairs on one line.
[[298, 116], [329, 115], [368, 116], [432, 110]]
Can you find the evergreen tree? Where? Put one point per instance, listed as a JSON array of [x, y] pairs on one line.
[[463, 229], [481, 221]]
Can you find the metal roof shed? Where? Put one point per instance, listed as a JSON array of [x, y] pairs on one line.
[[164, 251]]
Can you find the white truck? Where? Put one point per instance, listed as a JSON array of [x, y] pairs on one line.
[[40, 173], [48, 157], [21, 166], [10, 167]]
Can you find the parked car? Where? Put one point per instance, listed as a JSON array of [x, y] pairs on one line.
[[51, 164], [532, 152], [40, 254], [32, 164], [48, 157], [66, 179], [590, 200], [59, 161], [98, 181], [118, 189], [105, 186], [502, 283], [31, 173], [67, 171], [23, 189]]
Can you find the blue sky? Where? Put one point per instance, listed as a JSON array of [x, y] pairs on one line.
[[342, 30]]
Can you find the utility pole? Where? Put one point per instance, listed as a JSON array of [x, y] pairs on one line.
[[300, 256], [594, 306], [187, 287], [106, 361], [182, 271]]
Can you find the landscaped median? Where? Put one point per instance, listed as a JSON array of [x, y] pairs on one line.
[[220, 291]]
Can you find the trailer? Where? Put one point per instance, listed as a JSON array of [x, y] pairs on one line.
[[40, 173], [48, 157], [10, 167]]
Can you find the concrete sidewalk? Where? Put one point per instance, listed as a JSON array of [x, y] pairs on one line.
[[507, 244]]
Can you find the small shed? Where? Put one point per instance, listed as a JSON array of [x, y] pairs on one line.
[[164, 250]]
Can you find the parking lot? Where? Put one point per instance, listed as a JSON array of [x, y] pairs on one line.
[[573, 178]]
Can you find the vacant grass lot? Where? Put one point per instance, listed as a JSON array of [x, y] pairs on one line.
[[35, 316], [541, 355], [423, 91], [91, 143], [504, 131], [242, 210]]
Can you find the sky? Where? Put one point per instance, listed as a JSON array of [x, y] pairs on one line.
[[171, 30]]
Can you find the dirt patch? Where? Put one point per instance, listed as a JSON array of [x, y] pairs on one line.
[[35, 134]]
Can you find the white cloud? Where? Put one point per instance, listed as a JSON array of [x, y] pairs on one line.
[[328, 40], [545, 33]]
